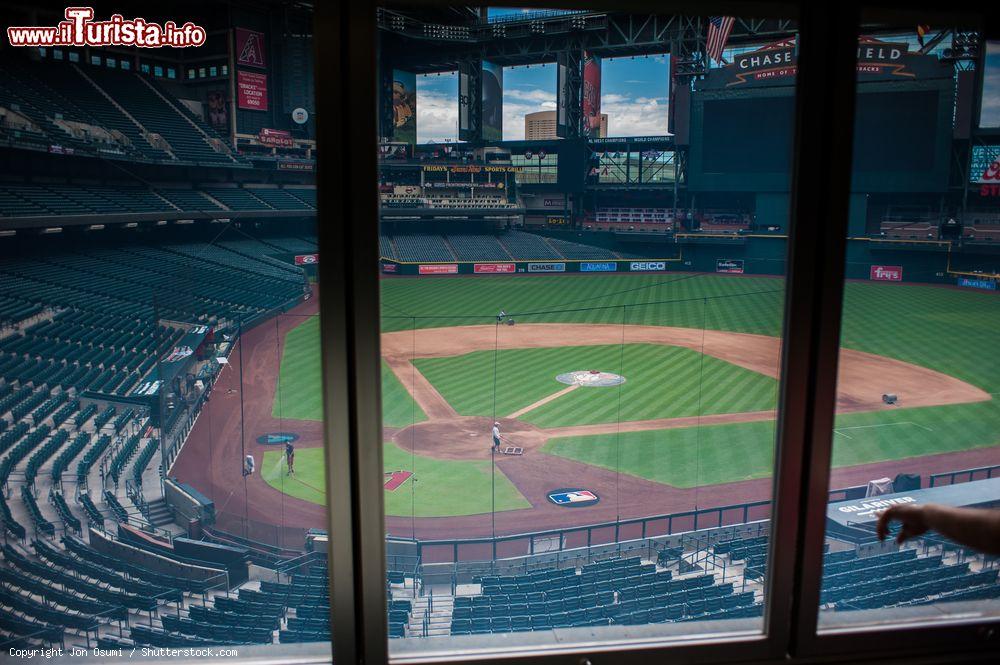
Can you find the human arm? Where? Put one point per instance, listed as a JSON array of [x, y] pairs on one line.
[[973, 527]]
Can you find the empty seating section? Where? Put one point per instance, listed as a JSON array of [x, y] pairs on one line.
[[38, 200], [982, 227], [279, 199], [634, 216], [614, 591], [575, 250], [153, 112], [529, 247], [236, 198], [423, 248], [723, 223], [507, 246], [305, 194], [188, 199], [478, 247], [89, 99]]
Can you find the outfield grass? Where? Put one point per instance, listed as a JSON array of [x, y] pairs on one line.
[[299, 393], [903, 321], [437, 488], [691, 456], [661, 382]]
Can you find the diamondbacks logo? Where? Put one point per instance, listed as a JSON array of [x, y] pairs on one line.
[[250, 48], [573, 497]]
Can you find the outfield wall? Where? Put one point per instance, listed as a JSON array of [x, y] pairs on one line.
[[932, 262]]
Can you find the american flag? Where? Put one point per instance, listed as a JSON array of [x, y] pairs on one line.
[[719, 28]]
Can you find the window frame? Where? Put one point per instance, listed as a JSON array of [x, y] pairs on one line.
[[349, 310]]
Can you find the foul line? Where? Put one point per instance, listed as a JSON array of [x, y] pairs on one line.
[[544, 400], [905, 422]]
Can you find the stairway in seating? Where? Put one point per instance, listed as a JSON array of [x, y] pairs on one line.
[[121, 109], [447, 243], [438, 619], [159, 513], [198, 129]]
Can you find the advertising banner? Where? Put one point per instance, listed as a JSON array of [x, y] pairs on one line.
[[886, 273], [647, 266], [250, 48], [603, 266], [493, 268], [466, 93], [989, 180], [591, 95], [563, 96], [296, 166], [492, 101], [978, 283], [404, 106], [251, 90], [390, 268], [546, 267], [729, 266], [438, 269], [275, 137], [306, 259]]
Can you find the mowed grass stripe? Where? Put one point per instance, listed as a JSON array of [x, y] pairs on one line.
[[440, 490], [661, 382], [299, 391], [693, 456]]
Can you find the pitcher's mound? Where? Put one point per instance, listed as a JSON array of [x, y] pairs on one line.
[[591, 378]]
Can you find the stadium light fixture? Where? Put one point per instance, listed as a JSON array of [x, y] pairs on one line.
[[184, 221], [96, 227], [132, 225], [161, 222], [51, 229], [6, 233]]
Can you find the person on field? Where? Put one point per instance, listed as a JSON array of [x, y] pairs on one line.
[[496, 437], [248, 466], [290, 458], [978, 528]]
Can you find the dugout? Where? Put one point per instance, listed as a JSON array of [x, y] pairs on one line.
[[854, 520]]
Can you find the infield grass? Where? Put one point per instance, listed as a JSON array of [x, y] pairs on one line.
[[437, 488], [661, 382]]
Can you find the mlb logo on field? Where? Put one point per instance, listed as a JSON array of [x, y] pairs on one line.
[[573, 497]]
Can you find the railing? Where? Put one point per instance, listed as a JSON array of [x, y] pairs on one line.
[[963, 475]]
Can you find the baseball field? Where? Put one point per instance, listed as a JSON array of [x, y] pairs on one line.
[[693, 411], [689, 418]]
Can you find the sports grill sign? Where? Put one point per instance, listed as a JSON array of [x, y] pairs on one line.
[[493, 268], [306, 259], [573, 497], [730, 266], [647, 266], [546, 267], [438, 269], [886, 273]]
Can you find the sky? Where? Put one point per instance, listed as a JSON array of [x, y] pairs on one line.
[[633, 94], [990, 114]]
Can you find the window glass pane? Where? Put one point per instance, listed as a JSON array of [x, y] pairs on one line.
[[990, 109], [579, 422], [161, 424], [917, 415], [126, 64], [95, 60]]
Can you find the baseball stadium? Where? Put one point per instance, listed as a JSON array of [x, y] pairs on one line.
[[581, 334]]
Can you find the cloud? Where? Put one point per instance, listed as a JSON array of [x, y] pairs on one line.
[[437, 116], [634, 81], [990, 114], [635, 116]]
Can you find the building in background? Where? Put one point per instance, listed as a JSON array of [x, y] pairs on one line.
[[541, 125]]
